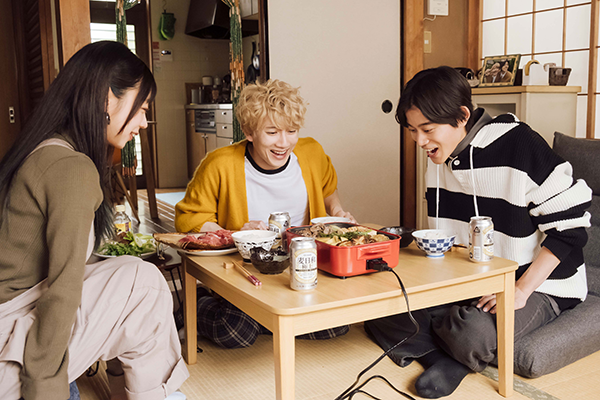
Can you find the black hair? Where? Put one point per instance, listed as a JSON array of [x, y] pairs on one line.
[[439, 93], [75, 106]]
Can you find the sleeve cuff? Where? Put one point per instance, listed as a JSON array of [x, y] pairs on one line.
[[558, 247]]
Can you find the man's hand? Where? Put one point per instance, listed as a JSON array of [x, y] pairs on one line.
[[539, 270], [345, 214], [489, 302], [251, 225]]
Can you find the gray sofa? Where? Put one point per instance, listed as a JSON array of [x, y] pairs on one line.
[[575, 333]]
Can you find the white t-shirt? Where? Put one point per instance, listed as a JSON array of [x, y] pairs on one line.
[[279, 190]]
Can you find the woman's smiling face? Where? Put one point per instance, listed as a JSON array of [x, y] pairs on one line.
[[272, 146], [438, 140], [118, 111]]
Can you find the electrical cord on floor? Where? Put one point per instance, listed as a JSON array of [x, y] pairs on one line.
[[354, 389]]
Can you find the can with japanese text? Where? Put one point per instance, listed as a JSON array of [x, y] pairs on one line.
[[278, 223], [303, 268], [481, 239]]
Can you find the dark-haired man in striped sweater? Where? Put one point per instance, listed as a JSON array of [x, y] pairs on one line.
[[499, 168]]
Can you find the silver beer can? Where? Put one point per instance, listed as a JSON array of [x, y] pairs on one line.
[[481, 239], [303, 268], [278, 223]]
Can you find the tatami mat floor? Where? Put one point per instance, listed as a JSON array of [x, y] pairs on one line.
[[324, 369]]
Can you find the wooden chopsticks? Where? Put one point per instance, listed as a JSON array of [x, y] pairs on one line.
[[254, 280]]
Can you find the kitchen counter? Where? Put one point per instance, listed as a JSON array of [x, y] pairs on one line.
[[223, 106]]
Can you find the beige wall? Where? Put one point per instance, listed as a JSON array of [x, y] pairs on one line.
[[192, 59], [345, 57], [448, 37]]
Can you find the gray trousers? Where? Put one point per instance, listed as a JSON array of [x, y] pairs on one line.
[[465, 332]]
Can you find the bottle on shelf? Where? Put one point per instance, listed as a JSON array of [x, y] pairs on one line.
[[122, 221]]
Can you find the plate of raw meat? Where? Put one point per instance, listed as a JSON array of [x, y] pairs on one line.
[[201, 244]]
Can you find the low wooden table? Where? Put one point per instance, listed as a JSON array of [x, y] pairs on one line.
[[288, 313]]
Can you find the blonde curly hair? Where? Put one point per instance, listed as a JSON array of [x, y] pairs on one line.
[[276, 100]]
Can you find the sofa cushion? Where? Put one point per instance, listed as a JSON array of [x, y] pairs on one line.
[[583, 154], [575, 333], [591, 251], [572, 336]]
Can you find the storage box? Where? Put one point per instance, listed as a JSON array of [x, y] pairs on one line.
[[352, 260]]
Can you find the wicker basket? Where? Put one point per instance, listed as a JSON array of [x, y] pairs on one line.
[[559, 76]]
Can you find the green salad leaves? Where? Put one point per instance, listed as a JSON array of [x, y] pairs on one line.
[[135, 244]]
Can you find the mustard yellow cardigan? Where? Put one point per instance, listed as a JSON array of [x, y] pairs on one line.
[[217, 192]]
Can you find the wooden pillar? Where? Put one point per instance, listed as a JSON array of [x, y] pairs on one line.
[[473, 60], [412, 62], [74, 21], [47, 42]]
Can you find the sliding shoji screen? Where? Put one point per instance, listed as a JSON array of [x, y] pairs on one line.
[[557, 31]]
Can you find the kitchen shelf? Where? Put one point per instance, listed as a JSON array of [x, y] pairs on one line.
[[526, 89]]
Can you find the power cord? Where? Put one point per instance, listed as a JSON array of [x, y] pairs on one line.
[[354, 389]]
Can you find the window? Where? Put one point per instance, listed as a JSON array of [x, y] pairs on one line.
[[555, 31], [101, 31]]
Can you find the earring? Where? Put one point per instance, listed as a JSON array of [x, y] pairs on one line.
[[107, 119]]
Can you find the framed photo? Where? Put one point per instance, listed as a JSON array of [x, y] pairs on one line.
[[499, 70]]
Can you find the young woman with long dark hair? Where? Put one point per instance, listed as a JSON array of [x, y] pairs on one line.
[[57, 314]]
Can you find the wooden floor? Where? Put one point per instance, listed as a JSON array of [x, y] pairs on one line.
[[166, 216], [325, 368]]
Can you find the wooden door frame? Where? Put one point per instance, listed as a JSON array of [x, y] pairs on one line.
[[412, 62]]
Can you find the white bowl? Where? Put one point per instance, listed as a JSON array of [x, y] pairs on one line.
[[245, 240], [434, 242], [327, 220]]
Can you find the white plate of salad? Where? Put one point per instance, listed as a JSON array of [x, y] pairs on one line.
[[132, 244]]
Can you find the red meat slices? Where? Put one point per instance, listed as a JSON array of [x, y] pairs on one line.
[[220, 239]]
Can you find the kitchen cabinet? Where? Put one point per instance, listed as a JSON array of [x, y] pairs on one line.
[[208, 127]]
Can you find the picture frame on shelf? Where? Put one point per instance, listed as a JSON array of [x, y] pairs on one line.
[[499, 70]]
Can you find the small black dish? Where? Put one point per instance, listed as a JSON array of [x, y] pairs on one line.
[[269, 262], [405, 233]]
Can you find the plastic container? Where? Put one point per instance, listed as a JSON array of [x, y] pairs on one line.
[[122, 221], [353, 260]]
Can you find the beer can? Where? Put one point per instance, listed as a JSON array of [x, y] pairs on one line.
[[481, 239], [278, 223], [303, 268]]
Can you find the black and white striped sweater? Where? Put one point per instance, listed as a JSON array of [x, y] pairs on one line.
[[529, 192]]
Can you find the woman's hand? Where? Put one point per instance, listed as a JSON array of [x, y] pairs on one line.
[[251, 225], [489, 302]]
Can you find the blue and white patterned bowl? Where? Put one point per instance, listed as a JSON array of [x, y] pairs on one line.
[[434, 242], [245, 240]]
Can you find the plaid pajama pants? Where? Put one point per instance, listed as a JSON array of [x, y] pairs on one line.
[[229, 327]]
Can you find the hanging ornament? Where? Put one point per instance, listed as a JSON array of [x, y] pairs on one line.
[[236, 64]]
